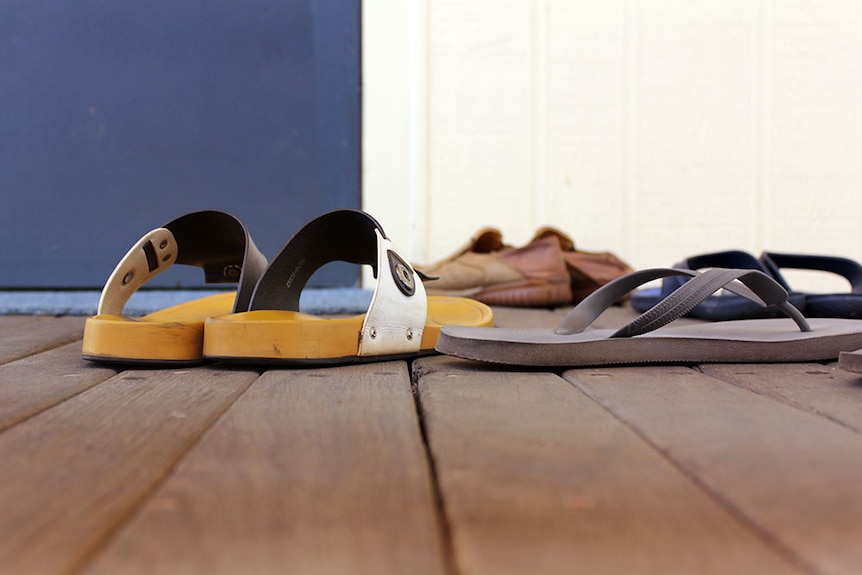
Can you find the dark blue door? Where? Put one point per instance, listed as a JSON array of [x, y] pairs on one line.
[[116, 116]]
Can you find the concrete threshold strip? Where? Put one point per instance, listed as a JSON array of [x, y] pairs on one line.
[[316, 301]]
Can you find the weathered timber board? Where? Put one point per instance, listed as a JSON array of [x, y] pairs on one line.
[[822, 389], [35, 333], [536, 478], [37, 382], [792, 475], [71, 474], [527, 317], [310, 471]]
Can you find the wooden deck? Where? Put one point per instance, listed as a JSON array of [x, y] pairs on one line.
[[439, 466]]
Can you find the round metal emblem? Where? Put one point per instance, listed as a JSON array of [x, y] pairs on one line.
[[402, 274]]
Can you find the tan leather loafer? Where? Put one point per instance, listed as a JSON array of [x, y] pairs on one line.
[[488, 270], [588, 270], [547, 272]]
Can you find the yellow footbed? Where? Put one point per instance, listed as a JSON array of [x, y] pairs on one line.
[[290, 335], [174, 334]]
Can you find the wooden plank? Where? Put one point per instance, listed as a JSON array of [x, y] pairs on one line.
[[35, 383], [792, 475], [71, 474], [536, 478], [11, 321], [825, 390], [311, 471], [35, 334], [526, 317]]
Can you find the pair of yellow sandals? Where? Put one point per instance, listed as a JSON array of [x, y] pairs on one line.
[[261, 321]]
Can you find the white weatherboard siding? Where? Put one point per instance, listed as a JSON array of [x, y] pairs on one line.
[[653, 128]]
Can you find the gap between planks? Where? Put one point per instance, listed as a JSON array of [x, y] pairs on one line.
[[790, 473], [537, 477], [73, 473], [37, 382], [21, 336], [309, 471]]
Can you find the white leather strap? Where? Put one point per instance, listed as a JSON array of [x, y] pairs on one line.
[[398, 310], [153, 254]]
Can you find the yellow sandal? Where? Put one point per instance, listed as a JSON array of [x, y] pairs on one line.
[[215, 241], [400, 322]]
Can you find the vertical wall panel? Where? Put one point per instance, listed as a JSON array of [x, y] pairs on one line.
[[586, 127], [480, 119], [815, 141], [695, 171], [394, 122]]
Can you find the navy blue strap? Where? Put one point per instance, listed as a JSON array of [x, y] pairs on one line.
[[730, 259], [844, 267]]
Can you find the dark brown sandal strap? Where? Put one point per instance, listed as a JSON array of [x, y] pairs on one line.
[[213, 240], [341, 235]]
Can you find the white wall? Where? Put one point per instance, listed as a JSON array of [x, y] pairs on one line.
[[653, 128]]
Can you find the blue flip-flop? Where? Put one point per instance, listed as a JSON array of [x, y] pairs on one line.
[[722, 306], [839, 305]]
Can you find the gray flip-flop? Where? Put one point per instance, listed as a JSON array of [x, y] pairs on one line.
[[642, 342]]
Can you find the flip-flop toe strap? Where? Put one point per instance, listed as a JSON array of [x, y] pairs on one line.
[[758, 288], [764, 291]]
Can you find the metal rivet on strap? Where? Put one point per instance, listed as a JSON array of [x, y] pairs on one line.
[[373, 333], [128, 277], [163, 244], [232, 271], [402, 273], [409, 334]]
